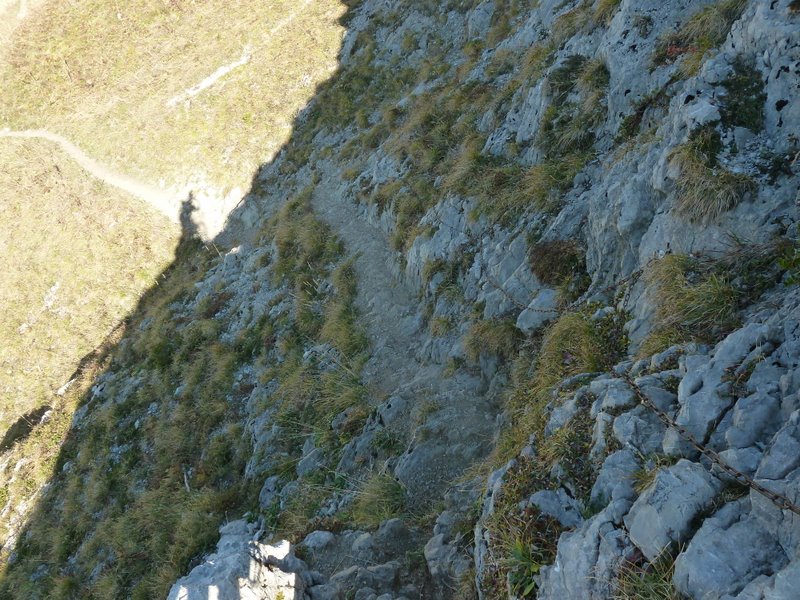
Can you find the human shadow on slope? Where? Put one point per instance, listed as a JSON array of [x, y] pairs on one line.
[[140, 485]]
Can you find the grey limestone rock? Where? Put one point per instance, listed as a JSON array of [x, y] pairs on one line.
[[446, 562], [663, 515], [231, 573], [781, 586], [615, 479], [640, 429], [559, 505], [586, 560], [729, 550], [542, 309], [779, 471], [612, 394], [704, 394]]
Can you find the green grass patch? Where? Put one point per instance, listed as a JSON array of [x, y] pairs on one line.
[[646, 581], [147, 487], [151, 475], [78, 256], [692, 298], [699, 298], [521, 541], [574, 344]]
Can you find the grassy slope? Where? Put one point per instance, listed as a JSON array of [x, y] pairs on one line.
[[79, 256], [102, 73], [141, 486], [76, 255]]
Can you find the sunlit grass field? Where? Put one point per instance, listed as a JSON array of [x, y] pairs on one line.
[[117, 78]]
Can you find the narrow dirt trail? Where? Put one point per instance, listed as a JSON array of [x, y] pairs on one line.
[[162, 200], [457, 410], [388, 305]]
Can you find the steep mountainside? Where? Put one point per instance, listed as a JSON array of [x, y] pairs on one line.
[[513, 313]]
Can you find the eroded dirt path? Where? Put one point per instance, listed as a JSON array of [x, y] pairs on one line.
[[455, 410]]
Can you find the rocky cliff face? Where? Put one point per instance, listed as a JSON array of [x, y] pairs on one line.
[[513, 314]]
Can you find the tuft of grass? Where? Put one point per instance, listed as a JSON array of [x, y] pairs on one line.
[[523, 565], [441, 326], [578, 88], [296, 518], [552, 178], [698, 298], [706, 190], [789, 262], [379, 498], [644, 477], [649, 581], [568, 124], [388, 442], [605, 10], [572, 345], [498, 337], [571, 23], [465, 586], [341, 327], [448, 270], [522, 541], [692, 298], [703, 31], [506, 11], [659, 340]]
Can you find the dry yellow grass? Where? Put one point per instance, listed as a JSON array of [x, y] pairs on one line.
[[103, 74]]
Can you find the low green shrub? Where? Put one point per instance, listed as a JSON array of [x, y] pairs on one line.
[[558, 263], [743, 105]]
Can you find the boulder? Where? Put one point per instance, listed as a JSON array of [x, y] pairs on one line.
[[664, 514], [232, 573], [729, 550]]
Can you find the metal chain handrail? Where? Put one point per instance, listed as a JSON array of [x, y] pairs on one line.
[[778, 500]]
